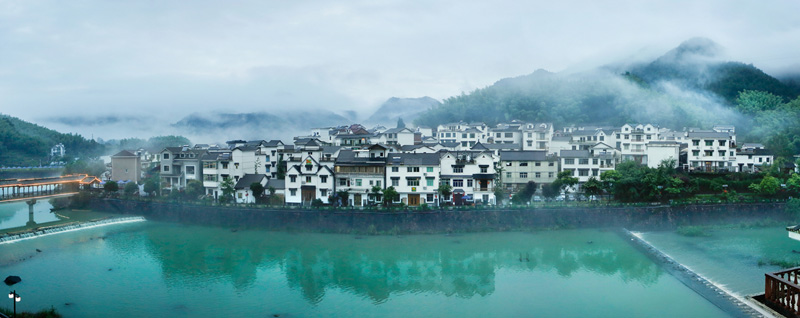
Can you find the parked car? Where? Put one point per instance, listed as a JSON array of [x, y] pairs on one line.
[[537, 198]]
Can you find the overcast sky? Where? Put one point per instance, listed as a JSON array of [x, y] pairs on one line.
[[172, 58]]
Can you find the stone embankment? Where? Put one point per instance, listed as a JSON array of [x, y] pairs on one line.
[[443, 221]]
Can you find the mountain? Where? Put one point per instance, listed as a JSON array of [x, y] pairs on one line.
[[406, 108], [26, 144], [688, 86], [257, 125]]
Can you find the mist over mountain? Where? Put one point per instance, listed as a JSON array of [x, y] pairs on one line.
[[258, 125], [406, 108], [689, 86]]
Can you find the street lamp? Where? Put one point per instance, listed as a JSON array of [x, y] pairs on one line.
[[15, 299]]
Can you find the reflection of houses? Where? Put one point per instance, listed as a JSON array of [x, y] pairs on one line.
[[521, 167], [470, 174], [125, 165], [415, 176], [357, 171]]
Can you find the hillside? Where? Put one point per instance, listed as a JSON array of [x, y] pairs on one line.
[[24, 144], [686, 87], [406, 108]]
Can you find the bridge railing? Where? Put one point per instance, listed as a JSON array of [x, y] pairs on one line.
[[782, 291]]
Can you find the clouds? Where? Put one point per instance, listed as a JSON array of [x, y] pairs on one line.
[[173, 58]]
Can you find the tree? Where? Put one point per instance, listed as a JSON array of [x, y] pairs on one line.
[[227, 190], [390, 195], [768, 186], [151, 186], [593, 187], [445, 190], [130, 188], [258, 191], [550, 191], [400, 123], [376, 193], [608, 178], [523, 196], [281, 174], [793, 184], [194, 189], [111, 186], [565, 180]]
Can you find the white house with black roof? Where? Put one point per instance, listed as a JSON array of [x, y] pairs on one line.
[[753, 157], [179, 165], [471, 174], [357, 171], [242, 187], [415, 176], [308, 180], [537, 136], [396, 136], [711, 151]]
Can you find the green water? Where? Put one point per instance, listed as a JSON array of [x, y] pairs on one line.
[[15, 214], [734, 258], [151, 269]]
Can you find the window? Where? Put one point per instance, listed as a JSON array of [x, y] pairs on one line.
[[166, 168], [538, 164], [722, 142], [583, 172], [509, 135], [722, 153], [696, 153], [236, 165], [323, 192], [412, 182], [583, 161], [538, 175], [429, 182], [499, 134], [627, 137], [209, 165], [469, 183], [523, 175], [602, 138], [225, 165], [530, 143], [395, 182], [292, 178], [595, 172], [308, 167], [649, 137], [569, 161], [412, 169], [458, 169], [343, 182], [308, 179], [550, 164], [541, 136], [709, 153], [594, 161], [523, 164], [183, 155], [323, 179], [709, 142], [759, 159], [210, 177], [293, 192], [472, 136], [550, 174], [429, 169], [695, 142], [429, 197], [358, 182], [508, 174], [395, 169], [166, 156], [458, 183], [190, 170], [767, 159]]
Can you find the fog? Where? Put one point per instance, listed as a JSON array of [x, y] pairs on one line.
[[136, 69]]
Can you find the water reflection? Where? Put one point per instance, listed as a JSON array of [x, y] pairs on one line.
[[378, 267]]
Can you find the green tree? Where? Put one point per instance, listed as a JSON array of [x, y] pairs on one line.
[[444, 190], [593, 187], [793, 184], [281, 174], [752, 102], [565, 181], [768, 186], [523, 196], [151, 186], [390, 195], [400, 123], [375, 193], [608, 178], [130, 188], [550, 191], [194, 189], [258, 191], [111, 186], [227, 190]]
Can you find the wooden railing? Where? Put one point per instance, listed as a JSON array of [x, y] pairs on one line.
[[781, 290]]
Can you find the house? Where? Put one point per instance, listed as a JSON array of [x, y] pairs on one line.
[[585, 164], [270, 150], [58, 151], [179, 165], [415, 177], [308, 180], [521, 167], [537, 136], [397, 136], [752, 157], [632, 141], [243, 194], [711, 151], [126, 166], [658, 151], [358, 171], [471, 174]]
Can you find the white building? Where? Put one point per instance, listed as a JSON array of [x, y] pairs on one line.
[[415, 176], [752, 157], [633, 140], [711, 151], [471, 174], [520, 167], [537, 136], [308, 180], [658, 151], [357, 171]]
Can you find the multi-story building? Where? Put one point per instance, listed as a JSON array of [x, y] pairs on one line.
[[521, 167], [125, 165], [464, 134], [752, 157], [711, 151], [658, 151], [180, 164], [357, 171], [471, 174], [537, 136], [585, 164], [633, 139], [308, 180], [396, 136], [415, 176]]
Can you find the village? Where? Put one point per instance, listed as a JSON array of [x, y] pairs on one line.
[[470, 160]]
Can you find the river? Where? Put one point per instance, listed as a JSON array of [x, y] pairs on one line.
[[155, 269]]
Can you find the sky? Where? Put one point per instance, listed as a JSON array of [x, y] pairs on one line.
[[130, 68]]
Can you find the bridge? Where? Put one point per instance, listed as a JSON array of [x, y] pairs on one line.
[[30, 190]]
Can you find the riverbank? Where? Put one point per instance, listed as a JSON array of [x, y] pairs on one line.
[[639, 218], [53, 229]]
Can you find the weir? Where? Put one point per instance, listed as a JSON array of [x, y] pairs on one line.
[[726, 300], [10, 238]]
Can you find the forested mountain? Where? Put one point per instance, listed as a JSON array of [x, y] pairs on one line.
[[24, 144], [406, 108], [686, 87]]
